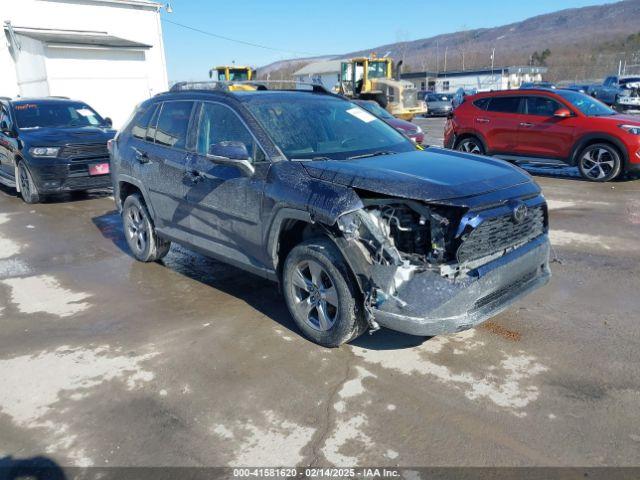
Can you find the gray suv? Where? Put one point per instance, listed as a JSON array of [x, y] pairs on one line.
[[361, 227]]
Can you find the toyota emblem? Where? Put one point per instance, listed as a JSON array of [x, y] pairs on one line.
[[520, 212]]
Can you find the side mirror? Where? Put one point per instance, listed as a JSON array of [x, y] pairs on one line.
[[233, 154], [562, 113], [6, 129], [108, 122]]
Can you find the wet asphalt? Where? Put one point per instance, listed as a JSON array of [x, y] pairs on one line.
[[109, 362]]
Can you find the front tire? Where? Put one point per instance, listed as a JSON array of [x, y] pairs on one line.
[[599, 162], [470, 145], [321, 295], [140, 233], [28, 188]]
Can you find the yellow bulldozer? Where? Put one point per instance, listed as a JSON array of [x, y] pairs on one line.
[[373, 79]]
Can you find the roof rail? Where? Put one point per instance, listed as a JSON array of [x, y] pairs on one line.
[[58, 96], [258, 84]]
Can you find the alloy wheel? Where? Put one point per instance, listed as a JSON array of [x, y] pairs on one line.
[[136, 229], [470, 146], [598, 163], [25, 184], [316, 297]]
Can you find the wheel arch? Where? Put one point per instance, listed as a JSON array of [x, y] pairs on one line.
[[126, 186], [594, 138], [291, 227]]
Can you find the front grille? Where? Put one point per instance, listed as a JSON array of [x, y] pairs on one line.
[[77, 183], [84, 151], [498, 233]]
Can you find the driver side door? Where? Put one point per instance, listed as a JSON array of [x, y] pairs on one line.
[[225, 203]]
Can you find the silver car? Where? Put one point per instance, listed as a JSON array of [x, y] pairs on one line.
[[438, 104]]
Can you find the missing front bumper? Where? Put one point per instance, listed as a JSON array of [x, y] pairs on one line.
[[432, 305]]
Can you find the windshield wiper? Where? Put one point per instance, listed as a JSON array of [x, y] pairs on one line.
[[373, 154]]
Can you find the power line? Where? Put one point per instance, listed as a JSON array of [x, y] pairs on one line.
[[210, 34]]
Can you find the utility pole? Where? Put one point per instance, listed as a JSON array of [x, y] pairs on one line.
[[445, 58], [437, 64]]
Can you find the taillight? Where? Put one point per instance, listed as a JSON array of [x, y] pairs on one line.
[[110, 145]]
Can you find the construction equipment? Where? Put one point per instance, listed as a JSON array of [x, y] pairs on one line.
[[373, 79], [230, 73]]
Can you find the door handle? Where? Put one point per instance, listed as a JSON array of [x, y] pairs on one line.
[[482, 120], [141, 156], [526, 124]]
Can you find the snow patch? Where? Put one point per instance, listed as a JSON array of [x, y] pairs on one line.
[[280, 442], [507, 385], [43, 293], [32, 385], [343, 435], [563, 237]]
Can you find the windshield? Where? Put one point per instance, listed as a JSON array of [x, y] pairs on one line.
[[33, 114], [586, 104], [438, 97], [238, 74], [376, 109], [377, 69], [320, 127]]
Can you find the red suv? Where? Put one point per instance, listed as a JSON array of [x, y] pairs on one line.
[[547, 124]]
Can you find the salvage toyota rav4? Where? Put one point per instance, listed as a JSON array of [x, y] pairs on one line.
[[306, 188]]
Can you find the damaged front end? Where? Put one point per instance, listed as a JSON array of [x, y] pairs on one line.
[[433, 269]]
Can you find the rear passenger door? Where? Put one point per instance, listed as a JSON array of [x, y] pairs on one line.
[[500, 122], [225, 203], [163, 159]]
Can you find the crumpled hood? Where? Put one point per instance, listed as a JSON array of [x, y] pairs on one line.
[[429, 175], [52, 137]]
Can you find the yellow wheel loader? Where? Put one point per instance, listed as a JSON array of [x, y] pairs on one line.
[[373, 79], [233, 73]]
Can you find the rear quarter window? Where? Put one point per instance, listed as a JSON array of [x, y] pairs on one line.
[[141, 122], [482, 103]]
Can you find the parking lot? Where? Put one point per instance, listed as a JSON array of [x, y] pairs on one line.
[[106, 361]]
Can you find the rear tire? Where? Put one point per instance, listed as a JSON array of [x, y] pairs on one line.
[[599, 162], [28, 189], [470, 145], [140, 232], [320, 293]]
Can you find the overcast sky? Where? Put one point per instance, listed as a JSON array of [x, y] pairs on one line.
[[295, 28]]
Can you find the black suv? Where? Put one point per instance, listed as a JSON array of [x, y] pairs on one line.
[[360, 226], [52, 145]]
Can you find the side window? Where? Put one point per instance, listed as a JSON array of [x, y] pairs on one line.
[[150, 133], [609, 81], [219, 123], [504, 104], [173, 124], [542, 106], [482, 103], [141, 122]]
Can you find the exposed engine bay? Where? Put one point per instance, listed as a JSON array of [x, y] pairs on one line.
[[391, 241]]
